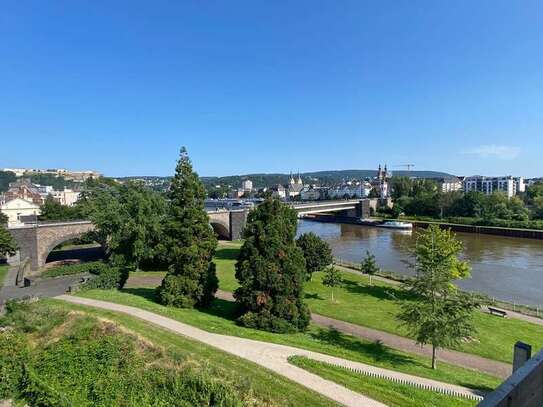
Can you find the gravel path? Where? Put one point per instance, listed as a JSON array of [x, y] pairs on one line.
[[275, 357]]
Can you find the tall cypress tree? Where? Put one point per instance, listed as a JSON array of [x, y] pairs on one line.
[[189, 242], [271, 271]]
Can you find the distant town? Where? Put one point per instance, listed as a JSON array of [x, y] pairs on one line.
[[23, 191]]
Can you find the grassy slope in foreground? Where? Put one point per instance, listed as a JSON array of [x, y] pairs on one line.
[[220, 318], [377, 306], [393, 394], [267, 387]]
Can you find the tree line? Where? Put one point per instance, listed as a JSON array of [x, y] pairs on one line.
[[422, 198]]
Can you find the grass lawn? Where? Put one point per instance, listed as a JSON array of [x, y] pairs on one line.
[[220, 318], [392, 394], [377, 306], [271, 388], [3, 272]]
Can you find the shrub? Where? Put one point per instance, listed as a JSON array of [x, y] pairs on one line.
[[13, 353], [92, 267], [109, 277]]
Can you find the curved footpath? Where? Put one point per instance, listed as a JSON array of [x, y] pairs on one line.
[[492, 367], [275, 358]]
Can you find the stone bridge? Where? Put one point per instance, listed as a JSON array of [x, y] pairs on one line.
[[36, 241], [229, 224]]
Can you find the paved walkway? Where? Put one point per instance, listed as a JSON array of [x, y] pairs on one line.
[[275, 357], [492, 367], [495, 368]]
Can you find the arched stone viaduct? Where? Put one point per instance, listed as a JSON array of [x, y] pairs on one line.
[[37, 241]]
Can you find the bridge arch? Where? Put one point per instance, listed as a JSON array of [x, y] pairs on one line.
[[221, 229]]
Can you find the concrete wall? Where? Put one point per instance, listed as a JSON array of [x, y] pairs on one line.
[[524, 388]]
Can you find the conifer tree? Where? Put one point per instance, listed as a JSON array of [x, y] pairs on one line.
[[271, 271], [189, 242]]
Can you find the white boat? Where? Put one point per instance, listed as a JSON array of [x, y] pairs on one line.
[[394, 224]]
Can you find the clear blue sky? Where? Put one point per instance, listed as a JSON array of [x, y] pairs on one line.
[[272, 86]]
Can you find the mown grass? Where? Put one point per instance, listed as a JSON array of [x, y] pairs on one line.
[[82, 358], [3, 272], [376, 307], [221, 318], [392, 394]]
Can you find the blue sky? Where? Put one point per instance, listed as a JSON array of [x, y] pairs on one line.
[[272, 86]]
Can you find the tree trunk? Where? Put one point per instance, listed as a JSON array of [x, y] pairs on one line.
[[332, 295], [370, 280], [433, 357]]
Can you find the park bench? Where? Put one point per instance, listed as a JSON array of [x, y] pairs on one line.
[[496, 311]]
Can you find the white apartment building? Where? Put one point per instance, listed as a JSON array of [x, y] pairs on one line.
[[509, 185], [351, 190], [247, 185], [450, 184], [67, 197]]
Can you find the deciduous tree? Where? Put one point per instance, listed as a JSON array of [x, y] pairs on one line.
[[8, 247], [332, 278], [317, 253], [369, 265], [440, 314]]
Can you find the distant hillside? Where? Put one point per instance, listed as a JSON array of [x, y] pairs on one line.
[[319, 177]]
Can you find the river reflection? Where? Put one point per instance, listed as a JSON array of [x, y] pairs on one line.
[[507, 268]]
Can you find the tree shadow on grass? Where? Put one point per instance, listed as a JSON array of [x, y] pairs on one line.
[[222, 309], [148, 293], [226, 253], [375, 350], [314, 296], [377, 291]]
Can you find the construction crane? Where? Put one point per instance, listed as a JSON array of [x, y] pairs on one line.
[[408, 166]]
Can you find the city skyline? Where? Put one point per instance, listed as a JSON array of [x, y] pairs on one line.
[[265, 88]]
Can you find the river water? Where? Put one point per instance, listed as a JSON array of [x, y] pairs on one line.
[[509, 269]]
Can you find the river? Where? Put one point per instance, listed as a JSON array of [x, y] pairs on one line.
[[509, 269]]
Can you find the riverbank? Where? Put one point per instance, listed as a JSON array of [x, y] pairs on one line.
[[455, 227]]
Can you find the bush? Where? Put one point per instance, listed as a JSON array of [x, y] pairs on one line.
[[109, 277], [94, 267], [13, 353]]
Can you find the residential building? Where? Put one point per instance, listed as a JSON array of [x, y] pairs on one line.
[[247, 185], [488, 185], [20, 211], [313, 193], [450, 184], [24, 190], [67, 197], [350, 189], [279, 191]]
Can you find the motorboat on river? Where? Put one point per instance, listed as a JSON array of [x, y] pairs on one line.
[[395, 224]]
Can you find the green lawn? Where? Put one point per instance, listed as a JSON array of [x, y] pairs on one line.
[[377, 306], [392, 394], [220, 318], [3, 272], [267, 386]]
